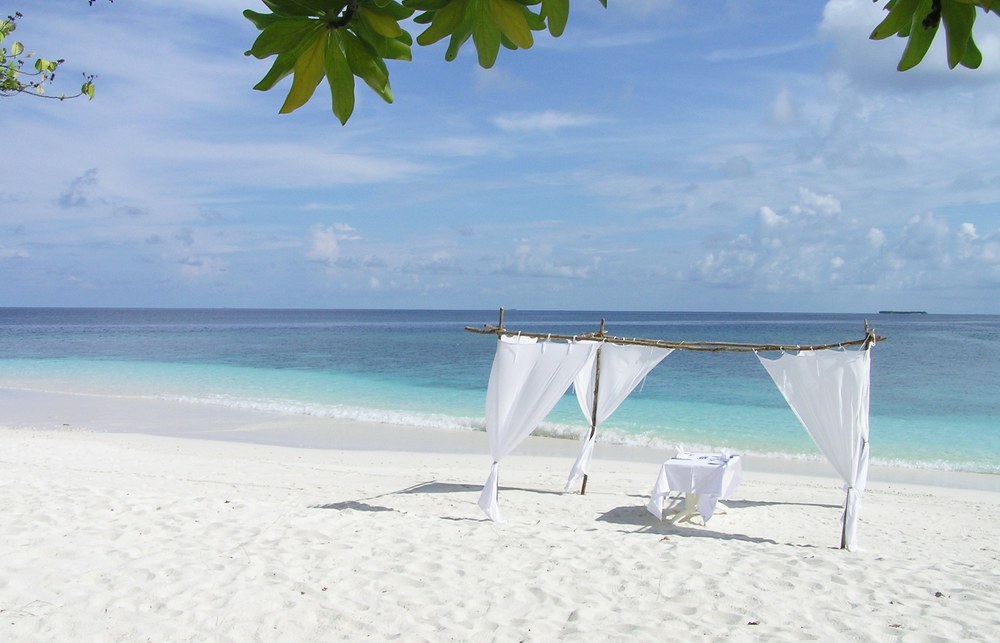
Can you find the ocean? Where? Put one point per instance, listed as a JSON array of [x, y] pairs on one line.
[[935, 398]]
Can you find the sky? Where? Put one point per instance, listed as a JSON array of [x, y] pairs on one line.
[[753, 155]]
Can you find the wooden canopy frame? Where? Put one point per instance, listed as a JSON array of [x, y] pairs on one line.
[[869, 339], [713, 347]]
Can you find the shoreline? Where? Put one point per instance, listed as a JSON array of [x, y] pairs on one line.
[[65, 411], [752, 430]]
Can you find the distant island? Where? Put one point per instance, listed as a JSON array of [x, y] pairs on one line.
[[902, 312]]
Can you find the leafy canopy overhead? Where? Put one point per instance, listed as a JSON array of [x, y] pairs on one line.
[[918, 21], [343, 39], [18, 79]]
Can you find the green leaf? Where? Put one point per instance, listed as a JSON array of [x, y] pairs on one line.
[[509, 18], [382, 23], [16, 49], [486, 37], [299, 7], [958, 19], [339, 77], [366, 66], [973, 57], [397, 49], [900, 16], [45, 65], [535, 21], [920, 37], [556, 13], [445, 22], [88, 90], [390, 48], [458, 38], [308, 72], [326, 8], [426, 5], [282, 66], [284, 35], [394, 9], [261, 20]]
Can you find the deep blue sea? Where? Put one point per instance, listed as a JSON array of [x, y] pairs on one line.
[[935, 393]]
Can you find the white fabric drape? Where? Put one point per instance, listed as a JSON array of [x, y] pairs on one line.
[[526, 381], [829, 391], [622, 368]]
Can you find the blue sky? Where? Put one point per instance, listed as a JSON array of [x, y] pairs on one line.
[[730, 156]]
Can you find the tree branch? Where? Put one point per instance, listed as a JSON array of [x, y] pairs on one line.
[[345, 16]]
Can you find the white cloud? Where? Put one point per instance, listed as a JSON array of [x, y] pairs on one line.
[[738, 167], [323, 245], [13, 253], [495, 80], [783, 110], [815, 248], [924, 237], [80, 190], [811, 203], [782, 49], [199, 267], [346, 232], [462, 146], [531, 260], [324, 242], [770, 218], [439, 262], [547, 121]]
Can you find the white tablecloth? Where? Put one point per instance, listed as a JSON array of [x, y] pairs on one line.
[[704, 478]]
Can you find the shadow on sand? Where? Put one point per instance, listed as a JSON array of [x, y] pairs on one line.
[[352, 505], [747, 504], [636, 516], [645, 522], [453, 487]]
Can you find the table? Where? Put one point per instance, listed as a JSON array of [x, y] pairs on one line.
[[703, 478]]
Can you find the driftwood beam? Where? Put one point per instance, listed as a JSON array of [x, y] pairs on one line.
[[712, 347]]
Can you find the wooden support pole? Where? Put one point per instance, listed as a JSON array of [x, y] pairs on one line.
[[843, 529], [593, 407]]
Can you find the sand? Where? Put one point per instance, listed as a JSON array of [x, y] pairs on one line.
[[128, 520]]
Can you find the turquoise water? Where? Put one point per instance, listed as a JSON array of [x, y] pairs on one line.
[[935, 401]]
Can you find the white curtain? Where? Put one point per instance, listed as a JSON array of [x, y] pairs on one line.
[[829, 391], [622, 368], [526, 381]]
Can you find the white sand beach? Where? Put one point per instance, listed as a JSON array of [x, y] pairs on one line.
[[119, 525]]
